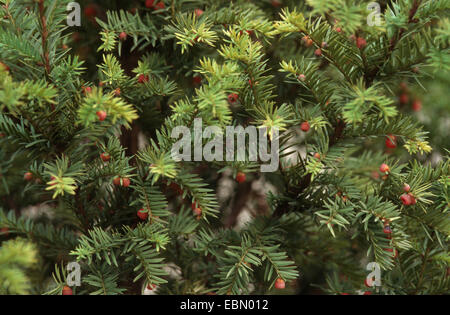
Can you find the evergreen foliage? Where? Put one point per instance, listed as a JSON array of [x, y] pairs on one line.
[[87, 114]]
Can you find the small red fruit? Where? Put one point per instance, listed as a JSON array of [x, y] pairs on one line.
[[149, 3], [198, 12], [116, 181], [276, 3], [28, 176], [67, 290], [406, 199], [338, 29], [361, 42], [123, 36], [240, 177], [232, 98], [151, 286], [384, 168], [4, 67], [318, 52], [101, 114], [142, 214], [305, 126], [126, 182], [160, 5], [4, 231], [280, 284], [105, 157], [317, 155], [197, 211], [406, 188], [86, 90], [404, 98], [197, 79], [302, 77], [143, 78], [367, 293], [416, 105], [413, 199], [387, 229], [90, 11], [391, 141]]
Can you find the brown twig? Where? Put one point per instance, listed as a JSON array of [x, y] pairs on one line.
[[44, 35]]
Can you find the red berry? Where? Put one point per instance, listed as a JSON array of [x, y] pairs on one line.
[[142, 214], [232, 98], [197, 79], [126, 182], [413, 199], [280, 284], [160, 5], [406, 188], [305, 126], [4, 67], [149, 3], [318, 52], [90, 11], [338, 29], [367, 293], [302, 77], [406, 199], [368, 282], [198, 12], [4, 231], [116, 181], [404, 98], [417, 105], [123, 36], [344, 293], [117, 92], [86, 89], [198, 211], [143, 78], [240, 177], [384, 168], [105, 157], [151, 286], [387, 229], [317, 155], [361, 42], [67, 290], [101, 114], [276, 3], [28, 176], [391, 141]]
